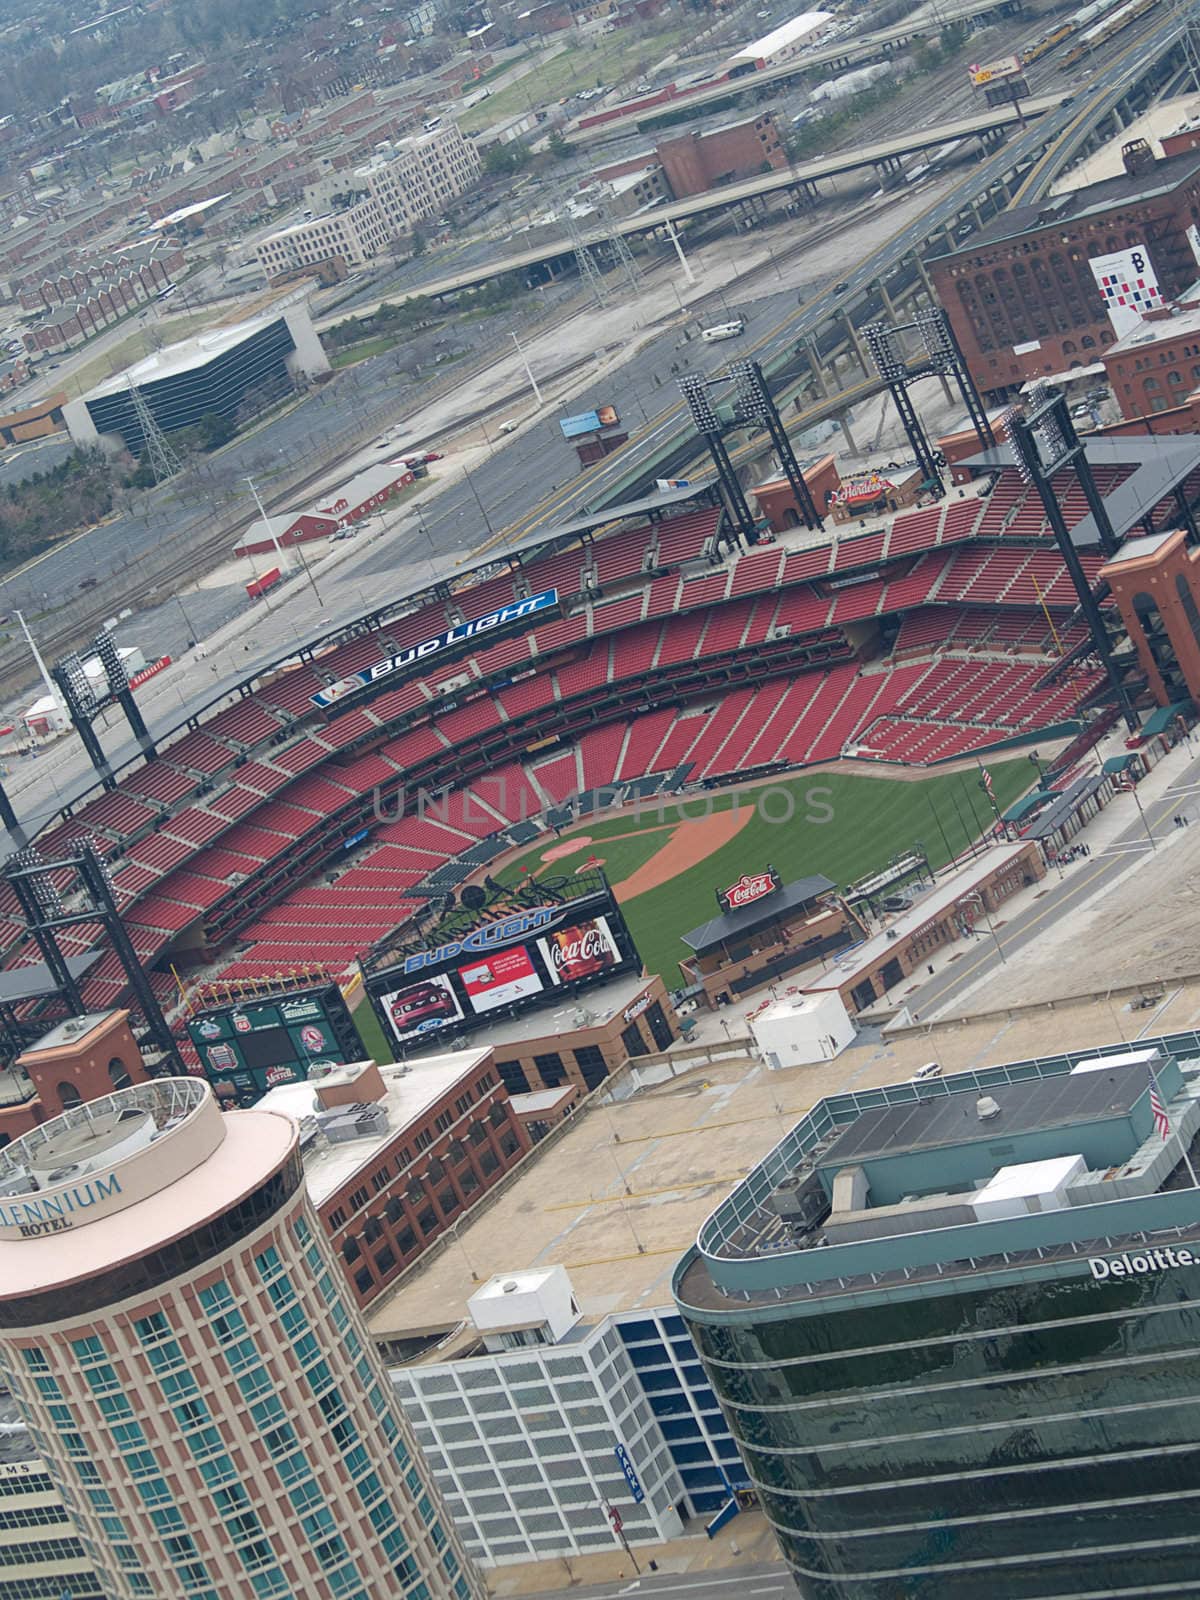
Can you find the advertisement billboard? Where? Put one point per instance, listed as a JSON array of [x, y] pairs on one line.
[[462, 633], [423, 1007], [589, 421], [989, 72], [1128, 285], [498, 980], [582, 950], [252, 1046]]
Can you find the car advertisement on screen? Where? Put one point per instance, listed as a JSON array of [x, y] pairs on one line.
[[584, 950], [421, 1007], [499, 979]]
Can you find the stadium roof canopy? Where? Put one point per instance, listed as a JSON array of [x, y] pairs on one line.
[[1160, 465]]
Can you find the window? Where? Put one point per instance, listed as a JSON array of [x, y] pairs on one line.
[[68, 1095], [118, 1074], [351, 1249], [337, 1218], [381, 1179], [359, 1199], [443, 1120]]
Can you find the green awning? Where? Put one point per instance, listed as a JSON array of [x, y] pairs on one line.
[[1159, 721], [1120, 763], [1019, 811]]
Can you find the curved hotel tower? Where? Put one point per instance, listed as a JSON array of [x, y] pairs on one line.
[[182, 1346]]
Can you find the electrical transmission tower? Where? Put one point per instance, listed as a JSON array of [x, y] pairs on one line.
[[164, 463], [588, 270]]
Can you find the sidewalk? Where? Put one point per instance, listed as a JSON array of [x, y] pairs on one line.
[[743, 1542]]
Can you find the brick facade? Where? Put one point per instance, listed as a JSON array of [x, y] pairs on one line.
[[1021, 296]]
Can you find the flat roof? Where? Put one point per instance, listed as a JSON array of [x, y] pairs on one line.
[[412, 1089], [944, 894], [184, 356], [1057, 210], [1180, 322], [798, 27], [1160, 462], [681, 1148], [939, 1120], [546, 1022], [791, 897], [35, 980]]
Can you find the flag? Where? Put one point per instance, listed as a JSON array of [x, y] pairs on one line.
[[985, 778], [1158, 1111]]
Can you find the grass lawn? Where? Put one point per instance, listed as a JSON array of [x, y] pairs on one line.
[[363, 349], [611, 59], [373, 1037], [874, 818]]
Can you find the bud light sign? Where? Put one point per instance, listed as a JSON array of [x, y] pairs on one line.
[[490, 937], [462, 633]]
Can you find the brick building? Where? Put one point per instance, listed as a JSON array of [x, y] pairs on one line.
[[1021, 294], [1157, 365], [421, 1143], [697, 162]]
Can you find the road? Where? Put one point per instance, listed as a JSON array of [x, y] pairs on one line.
[[762, 186], [612, 477], [760, 1581], [1070, 888]]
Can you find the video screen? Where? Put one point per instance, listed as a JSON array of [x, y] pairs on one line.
[[266, 1047], [497, 980]]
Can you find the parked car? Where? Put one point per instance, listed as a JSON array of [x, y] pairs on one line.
[[931, 1069]]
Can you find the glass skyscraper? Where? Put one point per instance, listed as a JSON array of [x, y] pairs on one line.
[[955, 1328], [183, 1350]]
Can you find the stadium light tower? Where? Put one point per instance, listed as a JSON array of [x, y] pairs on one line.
[[1044, 443], [884, 344], [711, 428], [84, 705], [754, 403], [86, 896]]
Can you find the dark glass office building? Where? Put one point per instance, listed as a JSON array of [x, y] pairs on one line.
[[955, 1329]]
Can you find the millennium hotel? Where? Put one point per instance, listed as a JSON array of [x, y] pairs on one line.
[[955, 1328]]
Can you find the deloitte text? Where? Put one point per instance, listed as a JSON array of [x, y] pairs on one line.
[[1160, 1259]]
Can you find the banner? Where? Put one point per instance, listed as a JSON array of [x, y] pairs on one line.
[[461, 633], [1128, 286]]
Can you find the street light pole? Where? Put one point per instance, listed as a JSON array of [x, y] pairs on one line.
[[312, 582], [533, 384], [1137, 800]]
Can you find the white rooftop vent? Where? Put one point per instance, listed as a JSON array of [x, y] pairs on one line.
[[986, 1108]]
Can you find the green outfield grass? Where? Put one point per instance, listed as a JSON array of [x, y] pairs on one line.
[[873, 818]]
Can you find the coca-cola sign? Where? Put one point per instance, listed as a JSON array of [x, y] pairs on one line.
[[581, 951], [750, 887]]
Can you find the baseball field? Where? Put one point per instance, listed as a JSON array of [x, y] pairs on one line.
[[666, 859]]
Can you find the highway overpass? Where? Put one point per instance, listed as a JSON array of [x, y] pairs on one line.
[[885, 154]]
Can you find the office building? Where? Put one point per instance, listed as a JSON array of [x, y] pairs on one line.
[[191, 1369], [41, 1556], [953, 1329], [226, 368], [405, 181], [1021, 292], [541, 1339]]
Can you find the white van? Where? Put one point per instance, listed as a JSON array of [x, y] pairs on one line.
[[724, 330]]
